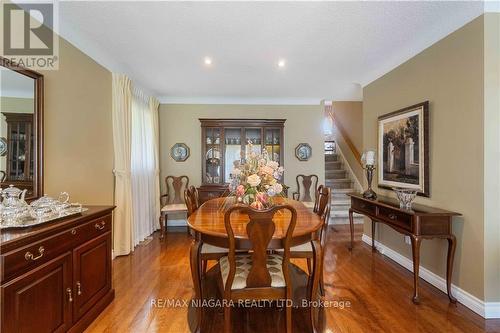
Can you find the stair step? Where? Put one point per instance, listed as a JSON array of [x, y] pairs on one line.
[[342, 190], [335, 174], [331, 157], [344, 214], [339, 183], [337, 165], [345, 220], [341, 208], [341, 201]]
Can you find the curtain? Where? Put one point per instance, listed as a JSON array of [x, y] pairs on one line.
[[144, 167], [153, 106], [122, 136]]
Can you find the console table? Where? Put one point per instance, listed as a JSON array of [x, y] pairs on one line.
[[421, 222]]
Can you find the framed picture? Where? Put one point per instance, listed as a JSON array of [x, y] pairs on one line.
[[179, 152], [403, 145], [303, 152], [3, 146]]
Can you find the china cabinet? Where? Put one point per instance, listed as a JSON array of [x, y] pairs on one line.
[[56, 277], [20, 160], [227, 142]]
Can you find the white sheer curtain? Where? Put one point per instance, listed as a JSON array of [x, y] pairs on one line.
[[154, 104], [144, 167], [122, 128]]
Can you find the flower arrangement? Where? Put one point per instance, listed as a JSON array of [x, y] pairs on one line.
[[256, 182]]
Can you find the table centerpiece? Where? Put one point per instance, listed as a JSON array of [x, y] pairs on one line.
[[256, 180]]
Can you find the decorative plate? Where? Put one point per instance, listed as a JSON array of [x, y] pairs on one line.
[[179, 152], [3, 146], [303, 152]]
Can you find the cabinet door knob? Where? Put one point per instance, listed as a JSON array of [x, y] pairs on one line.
[[73, 231], [100, 226], [78, 288], [29, 256], [70, 296]]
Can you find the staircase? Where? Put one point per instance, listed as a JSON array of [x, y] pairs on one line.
[[338, 179]]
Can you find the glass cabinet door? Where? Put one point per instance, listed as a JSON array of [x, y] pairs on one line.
[[272, 139], [232, 151], [213, 162], [253, 136]]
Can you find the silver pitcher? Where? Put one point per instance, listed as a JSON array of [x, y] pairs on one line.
[[13, 205]]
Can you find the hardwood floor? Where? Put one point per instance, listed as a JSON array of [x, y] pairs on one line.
[[379, 292]]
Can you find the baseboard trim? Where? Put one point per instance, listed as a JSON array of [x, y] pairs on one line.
[[487, 310]]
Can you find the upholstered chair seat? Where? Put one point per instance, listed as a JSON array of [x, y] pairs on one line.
[[243, 266], [174, 208]]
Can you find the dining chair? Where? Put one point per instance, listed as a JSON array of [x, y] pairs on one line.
[[305, 186], [174, 201], [257, 275], [207, 252], [322, 206], [191, 199]]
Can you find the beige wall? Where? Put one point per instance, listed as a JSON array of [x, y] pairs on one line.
[[78, 155], [349, 116], [179, 123], [492, 156], [450, 75]]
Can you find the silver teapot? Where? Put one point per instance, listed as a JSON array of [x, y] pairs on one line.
[[47, 206], [13, 205]]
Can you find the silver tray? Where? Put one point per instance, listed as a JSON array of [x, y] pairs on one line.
[[28, 221]]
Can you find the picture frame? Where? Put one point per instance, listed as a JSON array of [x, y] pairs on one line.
[[403, 146], [303, 152], [180, 152]]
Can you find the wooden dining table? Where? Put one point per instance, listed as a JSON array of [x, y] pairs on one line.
[[207, 225]]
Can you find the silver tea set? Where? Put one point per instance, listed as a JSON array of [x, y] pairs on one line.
[[16, 212]]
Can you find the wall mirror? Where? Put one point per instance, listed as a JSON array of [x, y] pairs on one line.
[[21, 137]]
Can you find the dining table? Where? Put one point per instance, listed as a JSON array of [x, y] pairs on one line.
[[207, 226]]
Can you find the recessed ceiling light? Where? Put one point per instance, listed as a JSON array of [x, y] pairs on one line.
[[207, 61], [281, 63]]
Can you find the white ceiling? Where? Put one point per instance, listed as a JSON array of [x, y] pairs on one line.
[[331, 49]]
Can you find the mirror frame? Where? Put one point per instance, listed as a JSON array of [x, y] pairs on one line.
[[37, 123]]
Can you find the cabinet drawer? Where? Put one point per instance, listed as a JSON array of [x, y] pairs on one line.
[[363, 206], [92, 229], [395, 217], [21, 260]]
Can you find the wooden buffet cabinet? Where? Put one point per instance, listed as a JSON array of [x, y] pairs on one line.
[[225, 141], [56, 277]]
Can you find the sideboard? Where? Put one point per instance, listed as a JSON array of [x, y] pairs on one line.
[[56, 277]]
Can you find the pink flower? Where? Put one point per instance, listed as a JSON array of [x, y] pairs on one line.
[[257, 205], [240, 190], [261, 197], [267, 170]]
